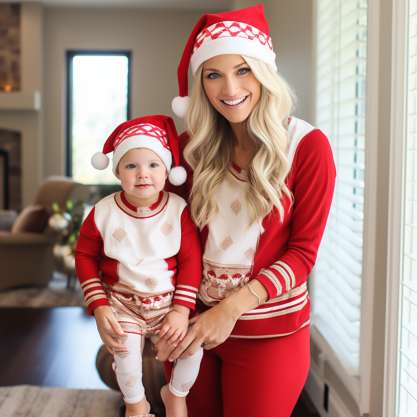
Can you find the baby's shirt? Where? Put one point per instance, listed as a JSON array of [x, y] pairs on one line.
[[141, 250]]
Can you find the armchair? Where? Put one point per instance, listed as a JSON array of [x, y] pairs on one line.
[[26, 256]]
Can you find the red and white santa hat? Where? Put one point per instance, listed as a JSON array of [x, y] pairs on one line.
[[242, 32], [155, 132]]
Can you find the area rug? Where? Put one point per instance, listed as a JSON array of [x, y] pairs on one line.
[[33, 401], [55, 295]]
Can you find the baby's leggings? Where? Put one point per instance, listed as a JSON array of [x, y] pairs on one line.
[[128, 369]]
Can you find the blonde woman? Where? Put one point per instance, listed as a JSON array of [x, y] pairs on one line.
[[262, 187]]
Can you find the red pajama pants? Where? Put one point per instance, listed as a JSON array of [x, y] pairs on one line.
[[252, 377]]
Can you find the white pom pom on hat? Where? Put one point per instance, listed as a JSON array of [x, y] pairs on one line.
[[100, 161], [177, 175], [180, 106]]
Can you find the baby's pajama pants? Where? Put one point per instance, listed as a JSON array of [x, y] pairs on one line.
[[142, 317]]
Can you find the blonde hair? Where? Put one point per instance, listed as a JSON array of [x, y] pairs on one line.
[[209, 151]]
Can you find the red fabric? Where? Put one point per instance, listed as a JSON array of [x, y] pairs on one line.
[[189, 257], [251, 377], [312, 182]]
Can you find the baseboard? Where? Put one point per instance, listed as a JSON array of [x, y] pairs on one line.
[[315, 388]]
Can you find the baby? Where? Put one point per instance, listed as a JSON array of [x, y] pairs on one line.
[[138, 259]]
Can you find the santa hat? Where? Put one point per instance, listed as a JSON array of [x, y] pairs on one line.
[[156, 132], [241, 32]]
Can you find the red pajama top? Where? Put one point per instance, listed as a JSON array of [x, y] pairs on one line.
[[145, 251], [278, 254]]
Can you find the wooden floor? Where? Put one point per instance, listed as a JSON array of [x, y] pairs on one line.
[[57, 347]]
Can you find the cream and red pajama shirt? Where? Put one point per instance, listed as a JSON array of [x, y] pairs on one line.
[[147, 251], [279, 254]]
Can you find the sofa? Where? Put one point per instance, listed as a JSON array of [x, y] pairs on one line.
[[26, 256]]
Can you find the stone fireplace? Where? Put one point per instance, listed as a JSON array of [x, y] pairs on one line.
[[21, 128], [10, 47]]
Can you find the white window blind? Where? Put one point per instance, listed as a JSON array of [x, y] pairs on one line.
[[341, 42], [407, 364]]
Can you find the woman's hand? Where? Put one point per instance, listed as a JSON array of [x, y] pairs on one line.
[[208, 329], [110, 330]]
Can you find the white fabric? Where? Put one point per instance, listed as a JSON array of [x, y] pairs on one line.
[[231, 239], [239, 46], [142, 141], [185, 373], [297, 130], [142, 245], [128, 369]]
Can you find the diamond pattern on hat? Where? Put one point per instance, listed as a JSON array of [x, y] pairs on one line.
[[143, 129], [232, 29]]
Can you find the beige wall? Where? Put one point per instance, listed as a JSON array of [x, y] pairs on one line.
[[290, 23], [156, 39]]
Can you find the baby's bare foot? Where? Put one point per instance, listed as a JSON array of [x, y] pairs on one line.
[[141, 408], [174, 406]]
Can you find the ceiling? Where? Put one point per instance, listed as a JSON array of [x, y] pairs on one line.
[[157, 4]]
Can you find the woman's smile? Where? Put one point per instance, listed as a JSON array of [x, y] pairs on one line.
[[234, 102]]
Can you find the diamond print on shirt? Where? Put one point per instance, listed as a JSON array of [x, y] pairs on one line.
[[167, 228], [227, 242], [119, 234], [236, 206], [150, 283], [250, 253]]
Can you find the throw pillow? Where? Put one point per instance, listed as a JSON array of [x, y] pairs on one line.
[[32, 219]]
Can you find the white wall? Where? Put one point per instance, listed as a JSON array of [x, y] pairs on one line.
[[156, 39]]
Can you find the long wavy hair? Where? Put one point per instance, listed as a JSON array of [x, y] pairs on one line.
[[210, 148]]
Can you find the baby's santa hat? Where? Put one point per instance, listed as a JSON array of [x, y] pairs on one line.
[[241, 32], [156, 132]]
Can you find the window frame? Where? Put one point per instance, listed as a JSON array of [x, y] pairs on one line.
[[398, 135], [70, 54], [360, 387]]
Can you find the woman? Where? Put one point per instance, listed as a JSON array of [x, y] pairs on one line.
[[262, 188]]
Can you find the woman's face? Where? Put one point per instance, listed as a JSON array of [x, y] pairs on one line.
[[231, 87]]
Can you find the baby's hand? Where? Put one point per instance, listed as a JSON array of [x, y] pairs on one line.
[[109, 329], [175, 325]]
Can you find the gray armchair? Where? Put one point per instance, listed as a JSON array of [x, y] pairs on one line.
[[26, 250]]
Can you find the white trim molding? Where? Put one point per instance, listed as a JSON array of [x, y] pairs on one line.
[[396, 194], [370, 206]]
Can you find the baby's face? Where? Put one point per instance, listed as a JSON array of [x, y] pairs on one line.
[[142, 174]]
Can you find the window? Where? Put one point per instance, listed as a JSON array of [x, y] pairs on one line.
[[98, 100], [340, 112]]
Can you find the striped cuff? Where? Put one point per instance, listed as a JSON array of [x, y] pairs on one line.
[[278, 279], [185, 295], [94, 294]]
